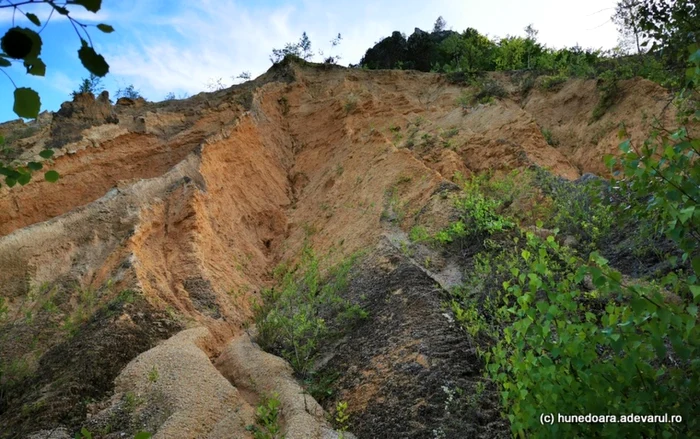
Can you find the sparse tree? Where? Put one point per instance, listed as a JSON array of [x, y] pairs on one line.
[[627, 18], [333, 58], [129, 92], [531, 47], [244, 76], [440, 24], [93, 85], [215, 84], [170, 97], [531, 33], [301, 49], [305, 47]]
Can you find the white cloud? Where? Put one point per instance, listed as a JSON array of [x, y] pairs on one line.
[[184, 45]]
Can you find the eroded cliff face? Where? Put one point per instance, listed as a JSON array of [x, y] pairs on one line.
[[172, 215]]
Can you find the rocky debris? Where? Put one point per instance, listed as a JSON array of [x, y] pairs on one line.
[[247, 367], [408, 370], [176, 392]]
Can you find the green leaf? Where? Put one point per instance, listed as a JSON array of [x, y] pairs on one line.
[[24, 178], [34, 166], [35, 67], [10, 181], [625, 146], [33, 18], [46, 154], [21, 43], [92, 61], [695, 290], [105, 28], [52, 176], [142, 435], [695, 57], [90, 5], [60, 9], [696, 265], [686, 214], [27, 103], [4, 62]]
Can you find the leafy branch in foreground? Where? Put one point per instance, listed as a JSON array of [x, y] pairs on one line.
[[626, 346], [24, 45], [21, 44], [22, 174]]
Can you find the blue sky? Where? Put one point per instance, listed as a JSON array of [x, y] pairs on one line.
[[179, 46]]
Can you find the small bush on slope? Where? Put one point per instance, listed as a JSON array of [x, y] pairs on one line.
[[291, 321]]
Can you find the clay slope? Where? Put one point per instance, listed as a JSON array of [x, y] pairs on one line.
[[171, 215]]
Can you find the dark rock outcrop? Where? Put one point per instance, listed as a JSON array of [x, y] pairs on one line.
[[84, 111]]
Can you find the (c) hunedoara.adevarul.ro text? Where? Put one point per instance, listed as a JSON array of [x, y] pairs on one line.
[[559, 418]]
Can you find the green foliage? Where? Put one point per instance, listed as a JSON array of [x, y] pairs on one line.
[[319, 384], [93, 85], [22, 174], [469, 52], [578, 209], [478, 216], [267, 419], [511, 54], [562, 353], [623, 347], [341, 415], [300, 49], [664, 170], [547, 134], [293, 317], [418, 234], [153, 374], [25, 45], [670, 27], [552, 82], [27, 102]]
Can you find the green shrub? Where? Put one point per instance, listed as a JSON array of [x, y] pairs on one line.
[[578, 209], [267, 420], [477, 215], [418, 234], [547, 134], [488, 90], [552, 82], [292, 319]]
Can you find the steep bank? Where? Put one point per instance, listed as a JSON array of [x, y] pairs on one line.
[[172, 215]]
